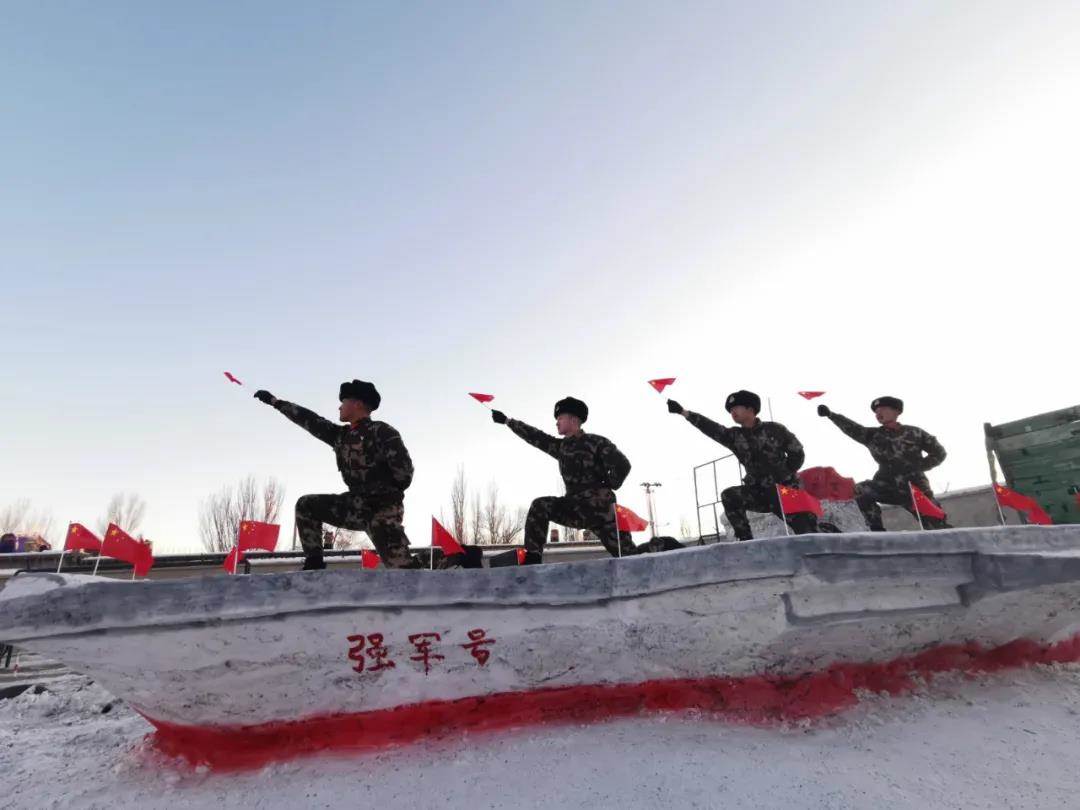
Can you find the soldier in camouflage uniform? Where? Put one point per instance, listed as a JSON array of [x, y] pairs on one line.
[[376, 468], [770, 455], [591, 467], [903, 453]]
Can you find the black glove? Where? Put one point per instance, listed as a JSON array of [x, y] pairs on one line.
[[823, 410], [264, 396], [674, 407], [498, 417]]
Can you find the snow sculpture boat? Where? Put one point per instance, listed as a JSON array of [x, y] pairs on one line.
[[235, 671]]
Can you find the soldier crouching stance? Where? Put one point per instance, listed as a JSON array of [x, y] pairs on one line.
[[591, 467], [769, 453], [904, 453], [376, 468]]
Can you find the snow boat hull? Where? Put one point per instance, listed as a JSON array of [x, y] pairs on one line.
[[236, 671]]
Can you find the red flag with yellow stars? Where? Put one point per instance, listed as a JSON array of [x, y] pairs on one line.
[[793, 501], [256, 535], [924, 506], [120, 545], [80, 538], [629, 521], [1022, 503]]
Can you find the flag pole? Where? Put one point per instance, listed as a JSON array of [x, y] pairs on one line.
[[63, 551], [998, 503], [236, 559], [915, 505], [783, 514], [431, 557], [101, 551], [615, 512]]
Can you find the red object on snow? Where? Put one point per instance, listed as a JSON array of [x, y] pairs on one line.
[[232, 560], [521, 556], [256, 535], [793, 501], [80, 538], [811, 394], [120, 545], [661, 384], [443, 539], [482, 397], [369, 559], [826, 484], [924, 506], [1022, 503], [232, 379], [629, 521]]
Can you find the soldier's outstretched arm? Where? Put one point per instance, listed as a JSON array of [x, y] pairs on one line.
[[935, 453], [616, 465], [322, 429], [718, 433], [393, 450], [851, 428], [537, 438]]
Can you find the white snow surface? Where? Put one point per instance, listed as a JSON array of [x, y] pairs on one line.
[[1004, 741]]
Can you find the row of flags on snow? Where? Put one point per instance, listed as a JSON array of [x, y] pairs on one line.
[[117, 544]]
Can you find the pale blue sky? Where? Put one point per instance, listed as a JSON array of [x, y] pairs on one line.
[[529, 199]]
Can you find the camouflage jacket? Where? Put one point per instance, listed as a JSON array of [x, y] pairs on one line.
[[768, 451], [586, 461], [897, 452], [371, 456]]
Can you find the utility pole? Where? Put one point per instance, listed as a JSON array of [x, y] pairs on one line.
[[649, 487]]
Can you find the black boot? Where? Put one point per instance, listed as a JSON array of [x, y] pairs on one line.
[[313, 562]]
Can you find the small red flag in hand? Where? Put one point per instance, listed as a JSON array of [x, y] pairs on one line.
[[443, 539], [1022, 503], [80, 538], [482, 398], [369, 559], [628, 521], [661, 384], [811, 394], [232, 379], [793, 501], [924, 506], [120, 545]]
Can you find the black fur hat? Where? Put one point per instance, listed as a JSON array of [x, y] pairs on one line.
[[889, 402], [574, 407], [361, 390], [748, 399]]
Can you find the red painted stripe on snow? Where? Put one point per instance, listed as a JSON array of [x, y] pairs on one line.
[[756, 699]]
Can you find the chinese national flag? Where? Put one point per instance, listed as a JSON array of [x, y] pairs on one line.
[[1022, 503], [629, 521], [369, 559], [482, 397], [794, 500], [811, 394], [80, 538], [120, 545], [256, 535], [924, 506], [232, 560], [661, 384], [443, 539]]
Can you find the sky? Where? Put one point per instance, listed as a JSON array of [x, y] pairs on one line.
[[529, 200]]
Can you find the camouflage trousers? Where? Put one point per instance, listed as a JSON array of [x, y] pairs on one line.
[[381, 519], [894, 491], [760, 498], [592, 509]]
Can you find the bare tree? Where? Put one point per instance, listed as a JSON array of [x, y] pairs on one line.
[[685, 529], [476, 531], [458, 496], [20, 517], [222, 512], [125, 510]]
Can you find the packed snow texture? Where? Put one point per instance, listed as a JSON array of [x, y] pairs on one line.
[[1004, 741]]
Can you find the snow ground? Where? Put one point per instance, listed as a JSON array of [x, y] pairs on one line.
[[1004, 741]]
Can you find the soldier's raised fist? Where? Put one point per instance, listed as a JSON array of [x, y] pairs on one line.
[[823, 410], [498, 417], [674, 407], [265, 396]]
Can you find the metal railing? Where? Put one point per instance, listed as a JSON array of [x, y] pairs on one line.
[[710, 506]]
